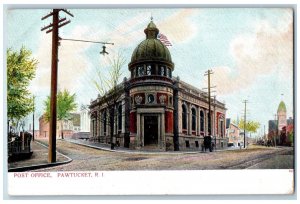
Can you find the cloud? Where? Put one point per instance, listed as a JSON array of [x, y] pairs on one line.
[[71, 66], [268, 49], [178, 26], [74, 68]]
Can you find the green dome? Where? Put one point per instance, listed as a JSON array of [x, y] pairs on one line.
[[281, 107], [151, 48]]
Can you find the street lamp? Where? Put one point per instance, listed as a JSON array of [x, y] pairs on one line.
[[103, 52]]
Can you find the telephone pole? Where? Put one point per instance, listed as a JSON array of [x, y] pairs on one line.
[[264, 132], [33, 97], [54, 28], [245, 101], [209, 87]]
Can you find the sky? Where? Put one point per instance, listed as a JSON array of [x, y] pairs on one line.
[[250, 51]]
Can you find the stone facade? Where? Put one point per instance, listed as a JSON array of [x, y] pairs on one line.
[[155, 108]]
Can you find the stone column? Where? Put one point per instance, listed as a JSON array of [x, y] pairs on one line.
[[138, 131], [162, 131], [100, 124], [179, 116], [197, 120], [123, 116], [176, 120], [141, 135], [189, 119]]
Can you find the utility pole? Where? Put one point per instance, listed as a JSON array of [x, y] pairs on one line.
[[245, 101], [54, 28], [33, 97], [264, 132], [276, 124], [214, 120], [208, 73]]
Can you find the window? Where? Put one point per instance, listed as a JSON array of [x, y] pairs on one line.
[[104, 122], [221, 129], [171, 100], [193, 119], [140, 71], [169, 73], [162, 71], [187, 144], [201, 121], [208, 124], [197, 144], [184, 117], [120, 117], [150, 98], [149, 70], [133, 72]]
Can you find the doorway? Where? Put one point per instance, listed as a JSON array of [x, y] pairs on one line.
[[150, 130]]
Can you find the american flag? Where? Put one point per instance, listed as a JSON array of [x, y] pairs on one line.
[[164, 39]]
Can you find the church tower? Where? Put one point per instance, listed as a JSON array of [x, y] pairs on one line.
[[281, 113]]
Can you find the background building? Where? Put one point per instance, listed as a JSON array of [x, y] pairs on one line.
[[280, 130], [69, 126], [233, 134]]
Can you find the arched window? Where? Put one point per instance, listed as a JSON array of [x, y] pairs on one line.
[[140, 71], [222, 128], [148, 70], [209, 124], [193, 119], [133, 74], [168, 72], [104, 122], [120, 117], [184, 117], [201, 121], [162, 71]]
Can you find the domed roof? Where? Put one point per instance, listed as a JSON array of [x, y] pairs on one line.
[[151, 48], [281, 107]]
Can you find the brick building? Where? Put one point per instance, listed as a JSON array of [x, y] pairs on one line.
[[155, 109], [69, 126]]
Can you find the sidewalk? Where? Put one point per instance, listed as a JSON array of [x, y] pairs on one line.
[[39, 159], [106, 147]]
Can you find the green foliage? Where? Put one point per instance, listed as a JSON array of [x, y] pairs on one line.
[[290, 137], [251, 126], [65, 105], [21, 69]]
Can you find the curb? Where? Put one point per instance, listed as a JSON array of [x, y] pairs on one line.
[[39, 166], [137, 152]]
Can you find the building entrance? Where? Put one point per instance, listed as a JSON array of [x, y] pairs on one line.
[[150, 130]]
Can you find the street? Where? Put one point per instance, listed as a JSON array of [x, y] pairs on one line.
[[255, 157]]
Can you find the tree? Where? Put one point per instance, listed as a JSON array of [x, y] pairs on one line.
[[65, 105], [290, 138], [21, 69], [109, 90], [251, 126]]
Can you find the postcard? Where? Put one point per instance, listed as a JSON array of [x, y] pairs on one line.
[[150, 101]]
